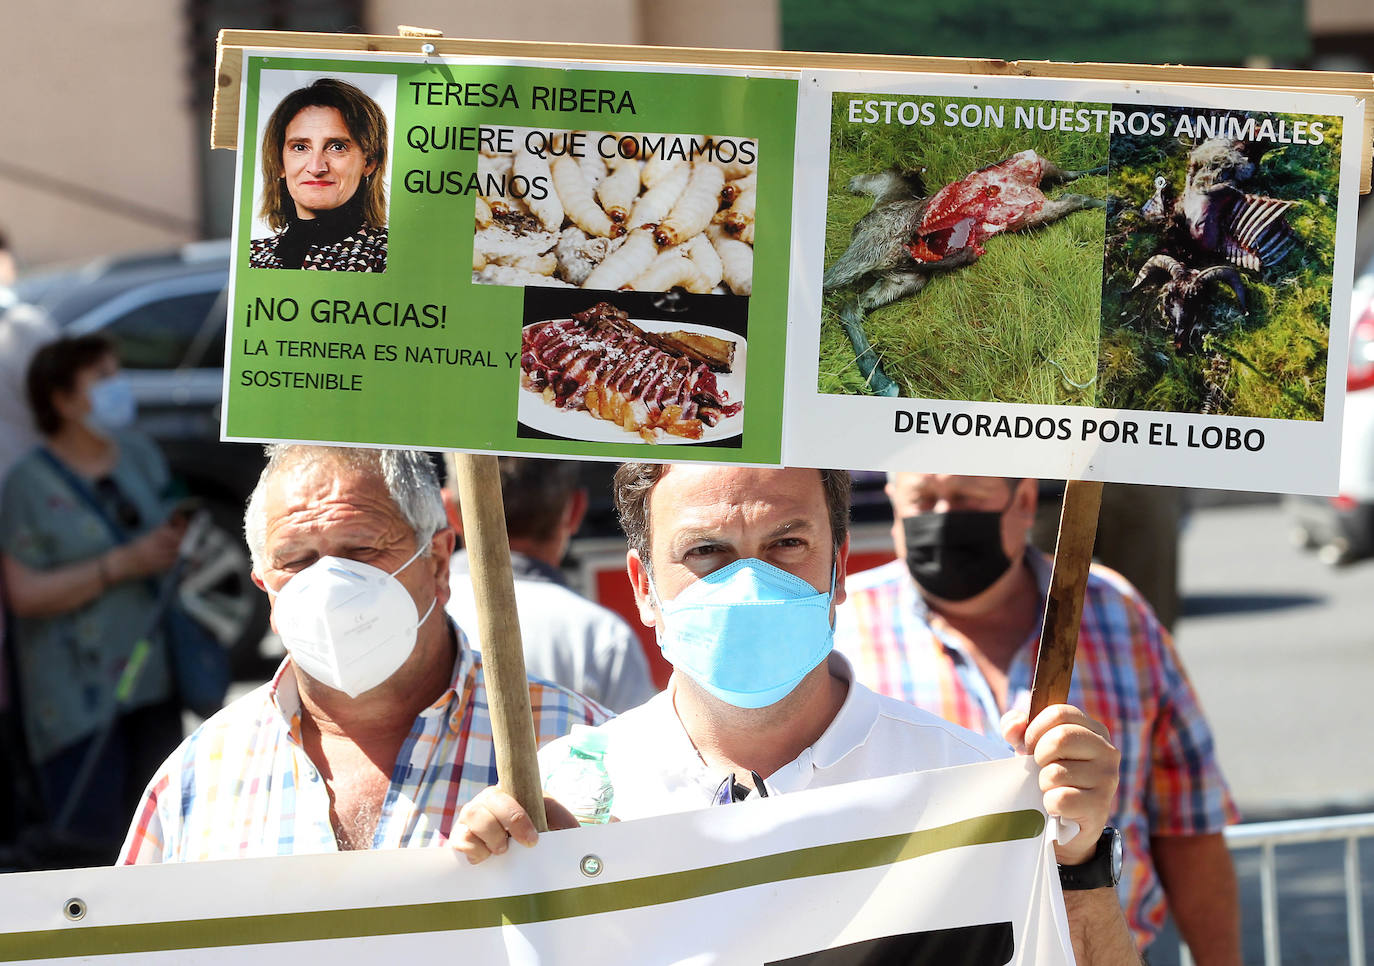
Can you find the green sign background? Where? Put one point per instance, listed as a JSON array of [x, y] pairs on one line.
[[473, 407]]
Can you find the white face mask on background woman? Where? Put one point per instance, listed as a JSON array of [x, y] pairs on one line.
[[112, 403], [348, 624]]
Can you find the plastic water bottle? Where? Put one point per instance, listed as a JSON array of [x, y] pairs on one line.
[[580, 781]]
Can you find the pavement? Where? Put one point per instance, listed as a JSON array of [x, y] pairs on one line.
[[1280, 649]]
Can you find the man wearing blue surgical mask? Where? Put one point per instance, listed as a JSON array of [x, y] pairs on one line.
[[739, 571], [708, 521], [952, 626]]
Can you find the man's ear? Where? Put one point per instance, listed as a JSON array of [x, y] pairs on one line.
[[898, 534], [575, 511], [272, 601], [1019, 518], [441, 552], [841, 569], [639, 583], [1024, 497], [451, 510]]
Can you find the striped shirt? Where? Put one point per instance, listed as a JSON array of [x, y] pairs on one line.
[[1126, 676], [243, 786]]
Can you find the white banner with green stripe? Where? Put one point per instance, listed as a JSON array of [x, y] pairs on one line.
[[953, 867]]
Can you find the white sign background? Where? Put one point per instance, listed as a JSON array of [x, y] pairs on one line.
[[732, 904], [1298, 456]]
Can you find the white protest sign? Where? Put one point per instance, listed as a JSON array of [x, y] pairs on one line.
[[1173, 311], [1077, 279], [949, 867]]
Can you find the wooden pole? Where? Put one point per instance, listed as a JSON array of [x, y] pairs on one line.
[[1064, 604], [478, 482]]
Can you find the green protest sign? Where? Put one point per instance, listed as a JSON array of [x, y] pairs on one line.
[[437, 254]]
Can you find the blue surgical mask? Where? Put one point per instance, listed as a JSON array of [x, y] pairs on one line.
[[112, 403], [747, 633]]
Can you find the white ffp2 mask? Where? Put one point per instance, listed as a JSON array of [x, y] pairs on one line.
[[348, 624]]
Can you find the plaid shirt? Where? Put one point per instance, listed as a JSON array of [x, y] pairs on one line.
[[1126, 676], [242, 785]]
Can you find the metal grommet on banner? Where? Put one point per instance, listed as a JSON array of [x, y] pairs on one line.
[[74, 909], [591, 866]]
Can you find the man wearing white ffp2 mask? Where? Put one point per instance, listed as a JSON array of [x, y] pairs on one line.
[[376, 724], [348, 624], [347, 600]]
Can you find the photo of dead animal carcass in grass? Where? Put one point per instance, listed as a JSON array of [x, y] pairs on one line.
[[599, 210], [1217, 278], [963, 262]]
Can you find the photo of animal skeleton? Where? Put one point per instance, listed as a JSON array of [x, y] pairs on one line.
[[598, 210], [1217, 280], [962, 262]]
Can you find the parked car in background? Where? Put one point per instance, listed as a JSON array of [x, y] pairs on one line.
[[1341, 528], [165, 313]]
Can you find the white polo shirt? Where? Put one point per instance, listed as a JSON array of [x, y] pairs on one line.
[[656, 770]]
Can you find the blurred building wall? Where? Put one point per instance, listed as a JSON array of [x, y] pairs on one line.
[[102, 149], [586, 22], [1341, 16], [750, 24], [96, 138]]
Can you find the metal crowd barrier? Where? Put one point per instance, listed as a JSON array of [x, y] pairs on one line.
[[1267, 836]]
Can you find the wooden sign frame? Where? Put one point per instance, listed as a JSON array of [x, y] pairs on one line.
[[229, 68]]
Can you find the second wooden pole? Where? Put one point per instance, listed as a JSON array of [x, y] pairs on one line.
[[1073, 555], [478, 483]]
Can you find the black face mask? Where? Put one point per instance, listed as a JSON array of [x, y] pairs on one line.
[[955, 555]]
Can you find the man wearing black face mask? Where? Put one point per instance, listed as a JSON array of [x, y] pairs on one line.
[[959, 553], [952, 626]]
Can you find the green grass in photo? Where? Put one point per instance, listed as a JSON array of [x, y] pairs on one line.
[[1020, 325], [1268, 362]]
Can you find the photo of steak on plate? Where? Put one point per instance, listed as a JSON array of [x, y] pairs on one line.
[[600, 362]]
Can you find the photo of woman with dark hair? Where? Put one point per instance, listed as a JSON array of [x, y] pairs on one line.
[[323, 165]]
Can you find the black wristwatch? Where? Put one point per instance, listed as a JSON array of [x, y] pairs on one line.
[[1102, 869]]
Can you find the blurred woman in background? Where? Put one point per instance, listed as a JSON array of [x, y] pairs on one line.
[[83, 534]]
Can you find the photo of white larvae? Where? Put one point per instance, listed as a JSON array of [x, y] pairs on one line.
[[651, 222]]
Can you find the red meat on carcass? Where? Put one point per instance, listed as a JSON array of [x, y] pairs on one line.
[[998, 198]]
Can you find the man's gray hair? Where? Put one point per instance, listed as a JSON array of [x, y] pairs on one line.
[[408, 475]]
